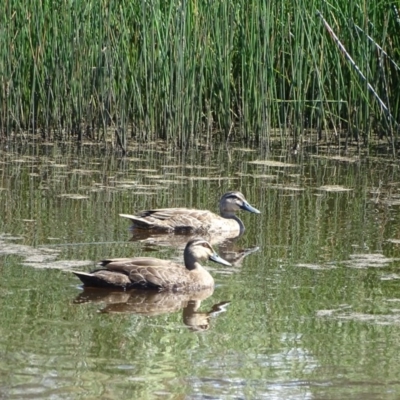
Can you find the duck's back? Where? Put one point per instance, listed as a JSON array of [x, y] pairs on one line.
[[125, 264], [178, 220]]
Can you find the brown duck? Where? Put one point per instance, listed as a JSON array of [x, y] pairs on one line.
[[154, 273], [192, 220]]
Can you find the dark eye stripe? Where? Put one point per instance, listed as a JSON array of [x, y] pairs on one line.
[[203, 244]]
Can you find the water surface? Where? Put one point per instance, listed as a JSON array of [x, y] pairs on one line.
[[313, 313]]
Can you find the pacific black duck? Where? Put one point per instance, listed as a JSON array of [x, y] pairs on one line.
[[191, 220], [155, 273]]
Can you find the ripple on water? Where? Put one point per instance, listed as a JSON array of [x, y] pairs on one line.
[[372, 260], [376, 319], [251, 373]]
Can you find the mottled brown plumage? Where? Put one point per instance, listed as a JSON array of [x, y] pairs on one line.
[[192, 220], [154, 273]]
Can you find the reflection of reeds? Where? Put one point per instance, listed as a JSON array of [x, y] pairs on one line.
[[173, 69]]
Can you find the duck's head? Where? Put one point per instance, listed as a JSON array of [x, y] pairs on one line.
[[199, 249], [235, 201]]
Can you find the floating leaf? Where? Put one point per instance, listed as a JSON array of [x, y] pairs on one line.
[[315, 266], [338, 158], [73, 196], [390, 277], [392, 202], [271, 163], [261, 176], [334, 188], [375, 260], [287, 187], [379, 319]]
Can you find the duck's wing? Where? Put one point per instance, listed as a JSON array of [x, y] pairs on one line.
[[104, 279], [149, 272], [152, 277], [173, 219], [140, 272]]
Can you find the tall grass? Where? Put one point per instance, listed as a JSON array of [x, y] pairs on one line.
[[176, 70]]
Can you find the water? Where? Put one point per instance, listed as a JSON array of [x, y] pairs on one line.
[[313, 312]]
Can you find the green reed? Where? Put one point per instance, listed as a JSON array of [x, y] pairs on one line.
[[126, 70]]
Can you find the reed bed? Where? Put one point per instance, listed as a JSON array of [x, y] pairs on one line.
[[180, 70]]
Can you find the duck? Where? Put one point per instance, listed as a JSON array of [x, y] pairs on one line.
[[156, 274], [186, 220]]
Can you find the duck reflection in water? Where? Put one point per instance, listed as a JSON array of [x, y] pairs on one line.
[[228, 249], [152, 303]]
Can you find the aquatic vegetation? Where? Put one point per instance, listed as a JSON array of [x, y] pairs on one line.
[[118, 71]]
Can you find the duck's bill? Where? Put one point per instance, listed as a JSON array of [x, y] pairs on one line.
[[216, 258], [247, 207]]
